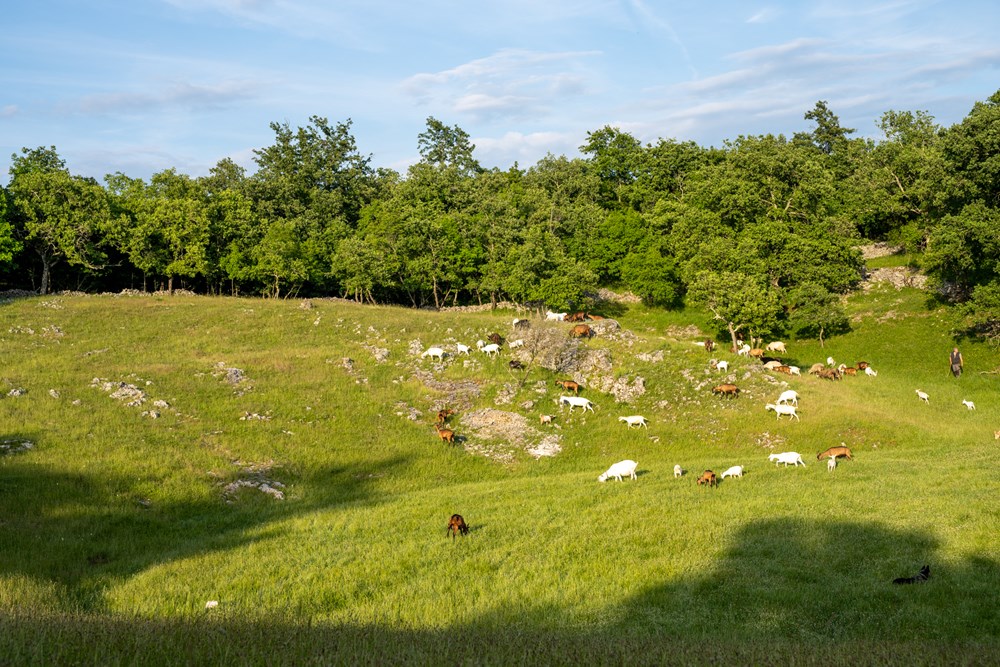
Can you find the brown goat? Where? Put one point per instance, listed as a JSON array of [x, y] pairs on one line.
[[849, 370], [816, 368], [456, 525], [581, 331], [444, 414], [835, 452], [591, 316], [829, 374], [515, 365], [446, 435], [862, 365], [576, 317], [757, 352], [709, 344], [495, 338], [569, 385], [708, 477], [730, 390], [787, 370]]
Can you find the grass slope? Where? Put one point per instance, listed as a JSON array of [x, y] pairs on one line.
[[115, 528]]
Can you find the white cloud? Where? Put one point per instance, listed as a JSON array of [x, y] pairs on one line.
[[8, 111]]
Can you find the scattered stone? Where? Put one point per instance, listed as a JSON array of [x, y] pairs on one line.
[[651, 357], [77, 402], [498, 435], [306, 305], [163, 405], [254, 416], [53, 393], [152, 414], [54, 305], [20, 329], [381, 354], [14, 446], [17, 391], [403, 409]]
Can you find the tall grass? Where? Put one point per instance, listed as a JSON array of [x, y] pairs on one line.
[[116, 529]]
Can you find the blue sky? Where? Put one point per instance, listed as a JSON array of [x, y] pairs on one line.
[[146, 85]]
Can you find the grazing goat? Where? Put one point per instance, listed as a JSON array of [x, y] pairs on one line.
[[730, 390], [829, 374], [444, 414], [569, 385], [786, 458], [491, 350], [621, 469], [723, 366], [462, 349], [634, 420], [923, 575], [776, 346], [849, 370], [554, 317], [709, 344], [743, 350], [773, 364], [779, 410], [576, 402], [923, 396], [756, 353], [871, 372], [816, 368], [708, 477], [831, 464], [522, 324], [794, 370], [787, 370], [514, 344], [545, 419], [834, 452], [678, 471], [456, 525], [495, 338], [735, 471], [861, 365], [582, 331], [446, 435], [788, 396], [433, 353], [576, 317], [830, 361], [515, 365], [969, 404]]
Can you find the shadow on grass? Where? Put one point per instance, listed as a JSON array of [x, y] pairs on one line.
[[785, 592], [80, 530]]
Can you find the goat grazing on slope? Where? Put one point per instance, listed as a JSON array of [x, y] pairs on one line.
[[569, 385], [923, 396], [786, 458], [735, 471], [456, 525], [576, 402], [634, 420], [834, 452], [708, 477], [730, 390], [446, 434], [621, 469], [678, 470], [779, 410], [491, 350], [969, 404], [433, 353], [788, 396], [462, 349]]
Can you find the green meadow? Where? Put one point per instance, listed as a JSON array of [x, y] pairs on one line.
[[281, 461]]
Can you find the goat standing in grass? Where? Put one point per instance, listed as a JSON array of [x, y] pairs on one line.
[[456, 525]]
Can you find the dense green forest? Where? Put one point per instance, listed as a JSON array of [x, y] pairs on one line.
[[762, 232]]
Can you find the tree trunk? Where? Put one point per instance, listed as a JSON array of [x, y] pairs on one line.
[[44, 289], [170, 285], [821, 336], [732, 334]]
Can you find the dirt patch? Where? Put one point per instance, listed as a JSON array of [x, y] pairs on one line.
[[499, 435]]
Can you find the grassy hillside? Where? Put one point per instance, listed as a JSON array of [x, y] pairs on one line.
[[119, 522]]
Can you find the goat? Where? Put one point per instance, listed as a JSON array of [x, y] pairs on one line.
[[576, 317], [446, 435], [816, 368], [456, 525], [831, 464], [582, 331], [771, 365], [923, 396], [480, 344], [782, 410], [829, 374], [786, 458], [743, 350], [709, 344], [514, 344], [515, 365], [433, 352], [545, 419], [621, 469], [495, 338], [735, 471], [830, 361], [554, 317], [576, 402], [969, 404], [849, 370], [730, 390], [708, 477], [634, 420], [861, 365], [871, 372], [444, 414], [794, 370], [522, 324], [923, 575], [678, 471], [723, 366], [788, 396], [569, 385], [834, 452], [787, 370], [491, 350], [776, 346], [756, 352], [462, 349]]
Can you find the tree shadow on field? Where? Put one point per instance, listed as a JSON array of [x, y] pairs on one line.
[[80, 529], [831, 580]]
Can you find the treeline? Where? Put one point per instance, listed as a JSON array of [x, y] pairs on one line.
[[761, 231]]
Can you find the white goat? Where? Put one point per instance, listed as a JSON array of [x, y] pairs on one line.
[[788, 396], [923, 396], [514, 344], [735, 471], [786, 458], [782, 410], [634, 420], [491, 350], [830, 361], [776, 346], [743, 350], [870, 372], [462, 349], [678, 470], [771, 365], [433, 353], [831, 464], [576, 402], [621, 469], [554, 317], [795, 370], [969, 404], [723, 366], [480, 343]]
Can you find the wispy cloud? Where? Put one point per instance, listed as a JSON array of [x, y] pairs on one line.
[[764, 15], [8, 111], [183, 95]]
